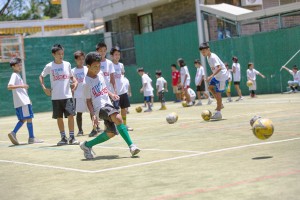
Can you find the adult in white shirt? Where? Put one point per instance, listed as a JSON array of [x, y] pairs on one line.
[[236, 70], [294, 84]]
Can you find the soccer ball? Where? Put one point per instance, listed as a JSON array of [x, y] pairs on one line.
[[263, 128], [249, 83], [206, 115], [253, 119], [184, 103], [138, 109], [174, 113], [172, 118]]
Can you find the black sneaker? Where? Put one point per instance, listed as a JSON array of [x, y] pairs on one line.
[[80, 133], [98, 129], [63, 141], [93, 133], [73, 141]]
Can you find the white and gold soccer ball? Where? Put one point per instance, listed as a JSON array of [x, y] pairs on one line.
[[206, 115], [263, 128], [172, 118]]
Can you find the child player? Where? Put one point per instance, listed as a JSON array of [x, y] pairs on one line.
[[251, 76], [236, 70], [121, 87], [147, 88], [185, 80], [100, 106], [62, 102], [296, 75], [161, 88], [22, 103], [199, 82], [217, 80], [175, 79]]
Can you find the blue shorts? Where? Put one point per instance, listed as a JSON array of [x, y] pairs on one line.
[[147, 98], [24, 112], [219, 85]]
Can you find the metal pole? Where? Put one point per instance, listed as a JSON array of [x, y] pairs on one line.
[[22, 53]]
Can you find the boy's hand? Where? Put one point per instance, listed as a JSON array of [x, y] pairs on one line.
[[141, 90], [74, 86], [25, 86], [115, 97], [166, 90], [47, 91], [95, 121], [209, 78]]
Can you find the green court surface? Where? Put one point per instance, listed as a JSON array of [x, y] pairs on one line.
[[191, 159]]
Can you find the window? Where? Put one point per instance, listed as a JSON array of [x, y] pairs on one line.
[[145, 23]]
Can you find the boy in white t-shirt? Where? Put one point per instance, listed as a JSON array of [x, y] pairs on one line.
[[251, 76], [121, 87], [147, 88], [217, 80], [236, 70], [199, 82], [61, 95], [294, 84], [22, 103], [185, 80], [161, 88], [100, 106]]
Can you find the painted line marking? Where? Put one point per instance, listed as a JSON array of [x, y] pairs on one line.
[[151, 162]]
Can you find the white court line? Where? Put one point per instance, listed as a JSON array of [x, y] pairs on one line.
[[151, 162]]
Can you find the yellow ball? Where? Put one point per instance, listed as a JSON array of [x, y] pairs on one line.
[[249, 83], [138, 109], [206, 115], [263, 128], [184, 103]]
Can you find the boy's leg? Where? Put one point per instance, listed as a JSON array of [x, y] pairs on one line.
[[79, 123], [199, 97], [32, 139]]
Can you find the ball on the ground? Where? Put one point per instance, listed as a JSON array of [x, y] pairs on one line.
[[263, 128], [174, 113], [253, 119], [184, 103], [171, 118], [206, 115], [138, 109], [249, 83]]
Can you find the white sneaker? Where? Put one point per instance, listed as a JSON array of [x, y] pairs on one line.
[[199, 103], [217, 116], [13, 138], [87, 152], [134, 150], [209, 101], [34, 141], [229, 100], [190, 104]]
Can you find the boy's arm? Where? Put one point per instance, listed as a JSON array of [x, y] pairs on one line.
[[261, 75], [113, 81], [113, 96], [92, 112], [12, 87], [166, 86], [215, 72], [46, 90], [129, 90], [284, 67], [74, 83]]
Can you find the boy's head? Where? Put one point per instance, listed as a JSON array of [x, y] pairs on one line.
[[204, 49], [180, 62], [58, 53], [158, 73], [226, 65], [173, 67], [140, 71], [295, 68], [16, 64], [115, 53], [93, 61], [197, 63], [250, 65], [235, 59], [101, 48], [79, 58]]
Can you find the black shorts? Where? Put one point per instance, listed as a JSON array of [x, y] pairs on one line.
[[63, 107], [161, 96], [105, 114], [236, 82], [201, 88], [123, 102]]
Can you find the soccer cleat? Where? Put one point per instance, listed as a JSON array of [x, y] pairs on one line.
[[129, 128], [93, 133], [199, 103], [73, 141], [13, 138], [209, 101], [134, 150], [98, 129], [63, 141], [229, 100], [216, 116], [80, 133], [190, 104], [87, 152], [34, 140], [148, 110], [163, 108]]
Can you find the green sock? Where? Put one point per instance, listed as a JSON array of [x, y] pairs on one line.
[[99, 139], [124, 133]]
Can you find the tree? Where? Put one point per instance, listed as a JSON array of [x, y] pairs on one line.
[[4, 7]]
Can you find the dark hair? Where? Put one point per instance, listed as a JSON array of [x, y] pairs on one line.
[[204, 45], [15, 61], [114, 49], [92, 57], [226, 64], [295, 67], [197, 61], [77, 54], [181, 62], [56, 48], [100, 45], [174, 65], [249, 64], [140, 69], [158, 72], [234, 59]]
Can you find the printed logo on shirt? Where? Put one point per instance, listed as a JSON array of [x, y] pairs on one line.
[[98, 90], [80, 77], [58, 74]]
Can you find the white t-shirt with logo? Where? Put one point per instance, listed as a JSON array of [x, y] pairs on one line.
[[185, 71], [199, 75], [148, 89], [237, 73], [252, 73], [60, 79], [296, 75], [215, 61], [106, 69], [20, 95], [79, 74], [160, 82], [119, 71], [95, 89]]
